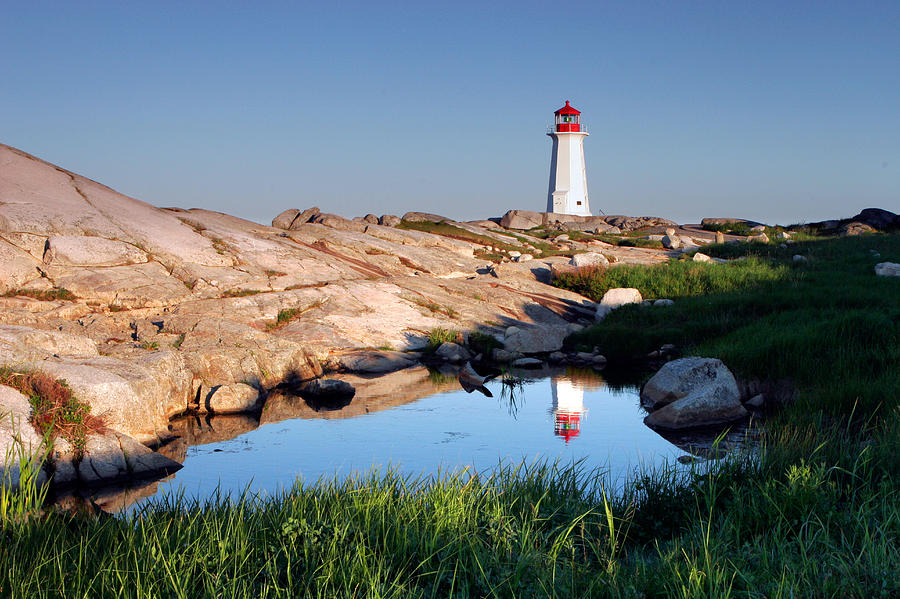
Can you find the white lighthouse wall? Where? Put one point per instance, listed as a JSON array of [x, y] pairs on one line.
[[568, 192]]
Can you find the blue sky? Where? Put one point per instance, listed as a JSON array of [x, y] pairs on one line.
[[781, 112]]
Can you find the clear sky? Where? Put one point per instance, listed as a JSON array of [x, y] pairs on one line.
[[776, 111]]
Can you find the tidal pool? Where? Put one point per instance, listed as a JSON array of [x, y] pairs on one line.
[[416, 422]]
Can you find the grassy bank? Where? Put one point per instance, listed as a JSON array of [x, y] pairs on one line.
[[816, 515]]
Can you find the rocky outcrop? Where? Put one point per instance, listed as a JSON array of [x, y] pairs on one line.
[[692, 393]]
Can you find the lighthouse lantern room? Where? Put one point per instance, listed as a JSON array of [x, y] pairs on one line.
[[568, 193]]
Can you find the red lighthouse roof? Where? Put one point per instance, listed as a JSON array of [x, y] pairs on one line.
[[567, 110]]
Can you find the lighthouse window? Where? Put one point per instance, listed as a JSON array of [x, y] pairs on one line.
[[579, 203]]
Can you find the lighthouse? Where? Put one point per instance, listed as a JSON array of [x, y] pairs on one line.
[[568, 408], [568, 193]]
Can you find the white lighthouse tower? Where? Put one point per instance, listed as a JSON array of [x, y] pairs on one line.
[[568, 193]]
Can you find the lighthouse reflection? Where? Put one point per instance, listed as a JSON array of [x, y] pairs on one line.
[[568, 408]]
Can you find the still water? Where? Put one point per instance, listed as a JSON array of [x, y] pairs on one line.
[[421, 425]]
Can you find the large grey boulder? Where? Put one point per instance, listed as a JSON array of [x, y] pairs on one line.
[[616, 298], [588, 259], [883, 220], [233, 399], [670, 240], [389, 220], [521, 219], [887, 269], [853, 229], [339, 222], [693, 392], [305, 217], [284, 220], [534, 340], [452, 352]]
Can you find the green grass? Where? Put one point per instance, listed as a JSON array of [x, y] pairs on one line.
[[45, 295], [816, 513]]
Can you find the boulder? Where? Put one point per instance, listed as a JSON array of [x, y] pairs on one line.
[[376, 361], [887, 269], [616, 298], [758, 238], [285, 219], [233, 398], [663, 303], [452, 352], [504, 356], [783, 236], [698, 257], [524, 258], [854, 228], [142, 461], [631, 223], [758, 229], [371, 219], [424, 217], [720, 237], [103, 460], [534, 340], [305, 217], [693, 392], [389, 220], [339, 222], [588, 259], [671, 242], [521, 219]]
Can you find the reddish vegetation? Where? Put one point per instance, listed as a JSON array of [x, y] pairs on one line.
[[55, 410]]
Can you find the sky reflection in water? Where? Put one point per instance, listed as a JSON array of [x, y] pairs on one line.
[[567, 417]]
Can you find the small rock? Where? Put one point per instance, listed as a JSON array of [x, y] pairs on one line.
[[757, 401], [759, 238], [758, 229], [615, 298], [505, 356], [561, 238], [887, 269], [514, 254], [663, 302], [584, 356], [556, 357], [371, 219], [720, 237], [698, 257], [599, 359], [783, 235], [452, 352], [524, 258], [389, 220], [799, 258]]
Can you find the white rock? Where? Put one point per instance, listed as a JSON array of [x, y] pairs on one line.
[[588, 259], [698, 257], [671, 242], [887, 269], [524, 258], [514, 254], [758, 238], [615, 298], [233, 399], [782, 235]]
